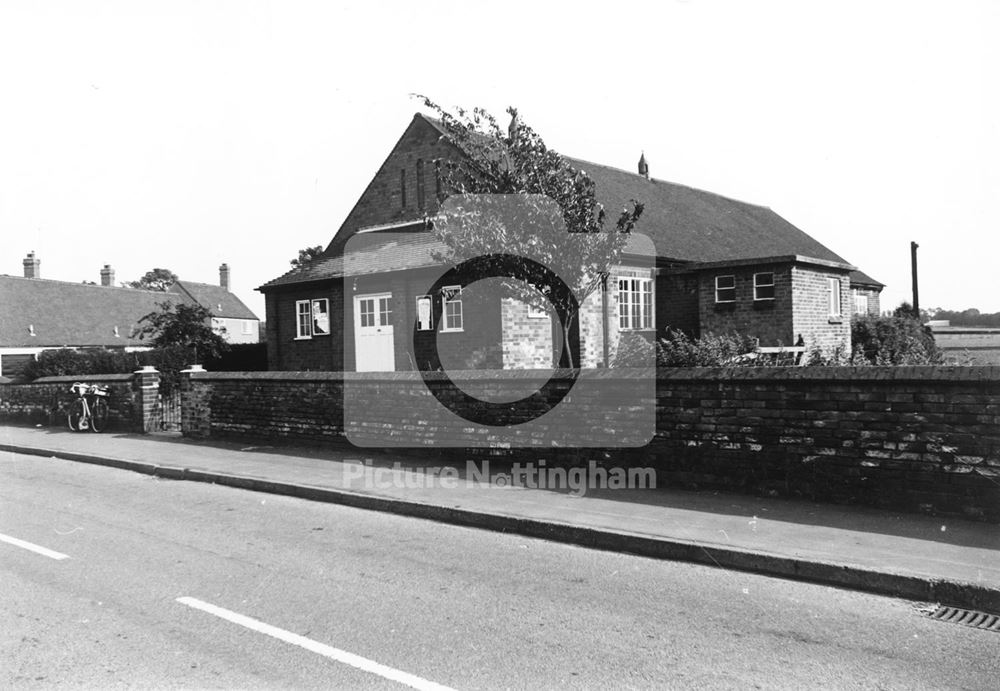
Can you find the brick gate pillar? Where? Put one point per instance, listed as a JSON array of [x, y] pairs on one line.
[[196, 411], [146, 388]]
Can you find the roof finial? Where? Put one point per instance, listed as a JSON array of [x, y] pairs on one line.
[[643, 166], [515, 123]]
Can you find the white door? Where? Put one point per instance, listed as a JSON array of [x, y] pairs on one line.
[[373, 347]]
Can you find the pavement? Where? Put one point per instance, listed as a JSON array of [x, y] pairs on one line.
[[918, 557]]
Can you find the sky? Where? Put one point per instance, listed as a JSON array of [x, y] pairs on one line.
[[186, 134]]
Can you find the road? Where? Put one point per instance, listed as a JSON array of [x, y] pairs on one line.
[[346, 598]]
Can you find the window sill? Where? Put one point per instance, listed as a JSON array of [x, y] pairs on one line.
[[452, 331], [302, 338], [835, 320]]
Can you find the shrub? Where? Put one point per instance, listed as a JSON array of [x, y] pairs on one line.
[[677, 349], [895, 340], [634, 350]]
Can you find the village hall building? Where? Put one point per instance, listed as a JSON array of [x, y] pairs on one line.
[[721, 266]]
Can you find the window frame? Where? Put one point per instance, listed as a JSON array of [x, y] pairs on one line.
[[858, 294], [299, 313], [312, 321], [757, 285], [834, 287], [455, 299], [718, 288], [632, 319]]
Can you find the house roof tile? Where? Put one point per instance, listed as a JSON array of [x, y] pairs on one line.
[[60, 313], [215, 298], [685, 224]]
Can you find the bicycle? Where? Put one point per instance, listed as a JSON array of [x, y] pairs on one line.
[[89, 410]]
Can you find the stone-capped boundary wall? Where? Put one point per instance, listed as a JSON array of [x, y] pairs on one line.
[[46, 400], [917, 438]]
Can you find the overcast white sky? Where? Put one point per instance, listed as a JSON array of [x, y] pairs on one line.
[[185, 134]]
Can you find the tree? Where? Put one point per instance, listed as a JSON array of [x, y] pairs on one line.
[[516, 161], [306, 255], [157, 279], [183, 325]]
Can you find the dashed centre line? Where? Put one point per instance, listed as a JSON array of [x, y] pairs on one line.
[[342, 656], [38, 549]]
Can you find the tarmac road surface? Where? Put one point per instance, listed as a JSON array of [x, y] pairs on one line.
[[113, 579]]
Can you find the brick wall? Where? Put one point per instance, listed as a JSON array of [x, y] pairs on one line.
[[771, 321], [382, 200], [46, 401], [811, 317], [917, 438]]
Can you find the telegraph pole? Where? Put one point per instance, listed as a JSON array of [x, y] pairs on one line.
[[913, 271]]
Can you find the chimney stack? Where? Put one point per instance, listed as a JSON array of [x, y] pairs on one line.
[[224, 276], [107, 275], [32, 266], [643, 166]]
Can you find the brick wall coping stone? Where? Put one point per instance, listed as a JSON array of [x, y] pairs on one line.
[[83, 377], [986, 374]]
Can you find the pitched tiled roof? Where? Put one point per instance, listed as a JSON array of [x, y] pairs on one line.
[[863, 279], [72, 314], [685, 224], [215, 298]]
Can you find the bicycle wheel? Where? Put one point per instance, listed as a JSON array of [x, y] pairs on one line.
[[99, 415], [75, 415]]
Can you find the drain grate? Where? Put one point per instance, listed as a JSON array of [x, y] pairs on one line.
[[965, 617]]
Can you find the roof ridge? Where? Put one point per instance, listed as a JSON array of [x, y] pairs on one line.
[[669, 182], [85, 284]]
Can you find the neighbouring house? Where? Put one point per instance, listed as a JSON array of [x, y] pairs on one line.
[[721, 266], [229, 315], [39, 314]]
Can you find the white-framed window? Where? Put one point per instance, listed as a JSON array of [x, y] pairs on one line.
[[425, 313], [451, 307], [833, 288], [763, 285], [303, 320], [725, 288], [635, 303], [312, 318], [247, 324], [860, 302], [321, 317]]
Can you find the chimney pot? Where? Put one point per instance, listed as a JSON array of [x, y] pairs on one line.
[[107, 275], [224, 276], [32, 266]]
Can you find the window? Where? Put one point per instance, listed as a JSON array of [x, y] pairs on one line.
[[763, 286], [312, 318], [834, 296], [402, 187], [860, 302], [420, 184], [635, 303], [321, 317], [303, 309], [451, 303], [725, 288], [247, 327], [425, 313]]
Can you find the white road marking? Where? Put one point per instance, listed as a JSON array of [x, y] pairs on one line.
[[356, 661], [45, 552]]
